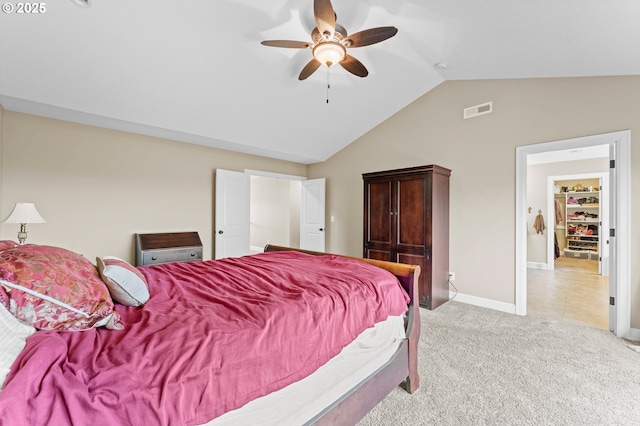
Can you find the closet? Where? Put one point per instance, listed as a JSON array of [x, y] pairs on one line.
[[581, 225], [406, 219]]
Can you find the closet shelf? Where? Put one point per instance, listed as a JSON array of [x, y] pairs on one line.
[[583, 229]]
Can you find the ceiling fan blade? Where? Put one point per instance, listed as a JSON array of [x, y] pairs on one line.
[[325, 16], [309, 69], [370, 36], [354, 66], [286, 43]]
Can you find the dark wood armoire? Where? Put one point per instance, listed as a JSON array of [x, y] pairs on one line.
[[406, 219]]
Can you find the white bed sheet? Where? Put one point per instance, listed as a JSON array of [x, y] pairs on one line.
[[299, 402]]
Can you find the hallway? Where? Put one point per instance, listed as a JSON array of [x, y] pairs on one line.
[[573, 292]]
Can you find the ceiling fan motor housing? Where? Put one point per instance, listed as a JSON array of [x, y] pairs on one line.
[[339, 35]]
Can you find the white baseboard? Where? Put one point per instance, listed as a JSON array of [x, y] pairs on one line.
[[509, 308], [634, 334], [537, 265]]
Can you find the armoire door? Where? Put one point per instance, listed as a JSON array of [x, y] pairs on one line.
[[378, 220], [412, 243]]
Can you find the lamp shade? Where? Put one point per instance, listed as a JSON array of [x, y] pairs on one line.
[[24, 213]]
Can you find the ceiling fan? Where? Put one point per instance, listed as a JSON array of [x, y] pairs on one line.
[[330, 42]]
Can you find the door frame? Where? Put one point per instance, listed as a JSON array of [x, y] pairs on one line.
[[620, 271], [273, 175]]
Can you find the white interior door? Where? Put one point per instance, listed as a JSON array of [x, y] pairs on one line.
[[232, 214], [312, 226], [611, 242]]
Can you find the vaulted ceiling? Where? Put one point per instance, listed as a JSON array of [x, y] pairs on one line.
[[195, 70]]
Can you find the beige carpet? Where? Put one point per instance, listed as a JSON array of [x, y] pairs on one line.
[[483, 367]]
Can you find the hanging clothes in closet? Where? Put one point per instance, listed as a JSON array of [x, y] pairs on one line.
[[558, 212]]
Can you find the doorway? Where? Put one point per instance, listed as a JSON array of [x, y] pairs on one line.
[[255, 208], [619, 243], [286, 211], [274, 208], [571, 285], [574, 287]]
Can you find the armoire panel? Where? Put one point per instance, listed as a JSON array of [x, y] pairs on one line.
[[424, 296], [378, 199], [377, 254], [411, 233]]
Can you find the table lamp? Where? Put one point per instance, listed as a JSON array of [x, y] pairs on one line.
[[24, 213]]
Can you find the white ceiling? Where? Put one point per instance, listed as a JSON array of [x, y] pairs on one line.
[[195, 71]]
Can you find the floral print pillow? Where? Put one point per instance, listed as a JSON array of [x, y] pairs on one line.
[[53, 288], [5, 244]]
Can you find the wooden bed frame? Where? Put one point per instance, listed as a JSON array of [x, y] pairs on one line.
[[401, 369]]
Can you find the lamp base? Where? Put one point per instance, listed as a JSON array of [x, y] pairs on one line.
[[22, 234]]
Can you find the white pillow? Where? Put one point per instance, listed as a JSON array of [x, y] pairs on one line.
[[13, 336], [125, 283]]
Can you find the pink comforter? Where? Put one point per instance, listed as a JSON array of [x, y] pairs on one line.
[[213, 336]]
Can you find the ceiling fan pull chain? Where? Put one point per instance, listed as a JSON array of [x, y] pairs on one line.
[[328, 83]]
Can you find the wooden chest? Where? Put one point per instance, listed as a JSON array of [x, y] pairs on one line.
[[154, 249]]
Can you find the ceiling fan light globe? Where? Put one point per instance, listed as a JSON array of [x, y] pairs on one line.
[[329, 53]]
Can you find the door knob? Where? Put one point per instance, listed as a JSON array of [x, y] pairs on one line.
[[321, 229], [220, 232]]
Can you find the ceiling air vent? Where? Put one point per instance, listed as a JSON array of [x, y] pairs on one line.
[[477, 110]]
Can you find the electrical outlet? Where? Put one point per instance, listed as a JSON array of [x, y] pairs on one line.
[[452, 276]]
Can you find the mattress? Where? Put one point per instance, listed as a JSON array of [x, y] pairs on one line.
[[301, 402]]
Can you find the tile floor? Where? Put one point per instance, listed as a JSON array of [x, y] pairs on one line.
[[572, 292]]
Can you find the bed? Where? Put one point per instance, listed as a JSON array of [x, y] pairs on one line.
[[206, 341]]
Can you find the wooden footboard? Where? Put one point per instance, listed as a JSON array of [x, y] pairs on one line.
[[402, 369]]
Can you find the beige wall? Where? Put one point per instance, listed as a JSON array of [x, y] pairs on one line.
[[96, 188], [481, 154]]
